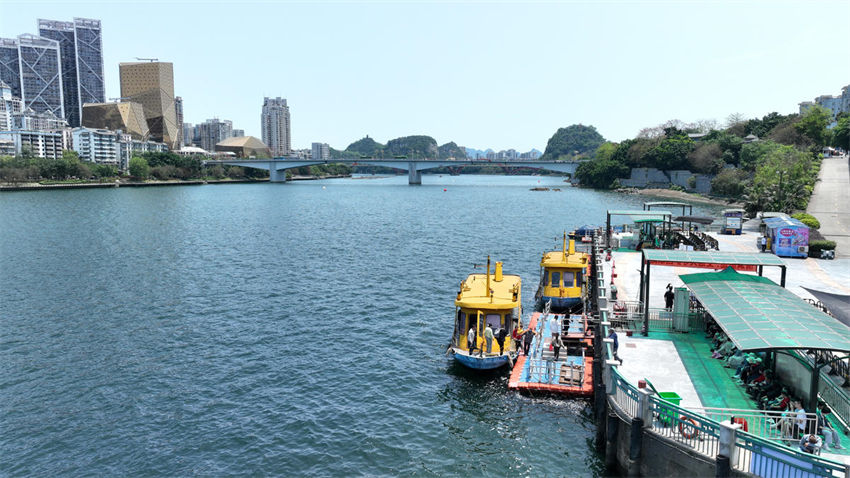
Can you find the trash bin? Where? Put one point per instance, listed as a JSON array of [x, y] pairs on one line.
[[668, 416]]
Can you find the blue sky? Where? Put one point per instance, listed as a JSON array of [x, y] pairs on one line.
[[482, 74]]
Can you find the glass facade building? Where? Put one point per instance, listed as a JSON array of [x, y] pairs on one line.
[[41, 74], [89, 60], [10, 68], [82, 63], [63, 32]]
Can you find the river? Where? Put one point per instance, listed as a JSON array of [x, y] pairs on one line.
[[274, 329]]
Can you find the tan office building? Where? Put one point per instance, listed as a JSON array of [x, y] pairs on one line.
[[128, 117], [152, 85]]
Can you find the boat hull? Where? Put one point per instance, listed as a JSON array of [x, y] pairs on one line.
[[562, 303], [479, 363]]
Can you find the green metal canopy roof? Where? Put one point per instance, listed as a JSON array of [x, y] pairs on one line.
[[712, 257], [637, 212], [666, 203], [757, 314]]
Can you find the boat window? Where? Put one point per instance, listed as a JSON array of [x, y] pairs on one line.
[[578, 279], [461, 321], [568, 279], [556, 279], [494, 321], [545, 278]]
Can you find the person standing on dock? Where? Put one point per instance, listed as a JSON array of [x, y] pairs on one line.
[[527, 338], [668, 297], [615, 345], [488, 337], [555, 326], [557, 343]]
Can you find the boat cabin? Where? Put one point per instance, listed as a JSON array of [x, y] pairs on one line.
[[485, 299], [562, 277]]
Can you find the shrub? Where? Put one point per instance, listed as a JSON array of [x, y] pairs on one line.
[[807, 219], [816, 246]]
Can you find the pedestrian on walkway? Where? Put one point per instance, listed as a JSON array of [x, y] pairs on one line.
[[668, 297], [557, 343], [763, 243], [615, 345]]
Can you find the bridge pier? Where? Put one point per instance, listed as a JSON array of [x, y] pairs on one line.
[[277, 175], [414, 176]]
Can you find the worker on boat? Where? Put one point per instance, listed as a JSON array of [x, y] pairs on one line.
[[501, 335], [470, 340], [488, 338]]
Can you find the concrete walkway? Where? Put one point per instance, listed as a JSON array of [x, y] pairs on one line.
[[830, 203]]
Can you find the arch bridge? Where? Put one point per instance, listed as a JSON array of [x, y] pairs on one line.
[[277, 167]]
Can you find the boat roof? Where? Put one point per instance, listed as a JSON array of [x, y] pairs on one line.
[[757, 314], [575, 260], [473, 294]]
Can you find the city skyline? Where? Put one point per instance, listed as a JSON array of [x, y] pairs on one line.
[[445, 70]]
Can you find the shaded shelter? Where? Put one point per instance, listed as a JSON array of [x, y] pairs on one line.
[[635, 215], [749, 262], [758, 315]]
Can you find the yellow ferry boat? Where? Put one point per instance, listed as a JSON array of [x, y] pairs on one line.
[[484, 302], [562, 280]]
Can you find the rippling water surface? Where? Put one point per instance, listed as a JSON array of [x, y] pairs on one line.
[[271, 329]]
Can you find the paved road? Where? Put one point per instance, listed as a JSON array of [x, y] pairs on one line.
[[830, 203]]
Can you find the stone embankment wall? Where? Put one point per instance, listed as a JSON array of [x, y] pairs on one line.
[[656, 178]]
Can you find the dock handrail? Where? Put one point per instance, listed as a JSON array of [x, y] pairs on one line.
[[762, 423]]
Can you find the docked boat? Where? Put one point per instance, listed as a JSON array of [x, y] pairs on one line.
[[562, 278], [486, 301]]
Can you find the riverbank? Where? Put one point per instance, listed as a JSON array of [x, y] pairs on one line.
[[35, 186], [681, 195]]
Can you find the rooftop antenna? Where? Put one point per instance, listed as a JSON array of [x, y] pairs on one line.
[[148, 59]]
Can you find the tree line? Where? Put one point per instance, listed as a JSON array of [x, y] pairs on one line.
[[776, 172]]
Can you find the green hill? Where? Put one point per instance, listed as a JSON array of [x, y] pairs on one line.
[[572, 142]]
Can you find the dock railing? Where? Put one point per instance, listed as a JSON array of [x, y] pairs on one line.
[[628, 315], [761, 457], [777, 426]]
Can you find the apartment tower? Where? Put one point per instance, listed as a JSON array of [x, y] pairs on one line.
[[275, 126]]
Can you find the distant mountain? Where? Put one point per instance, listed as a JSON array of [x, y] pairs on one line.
[[473, 153], [366, 147], [452, 150]]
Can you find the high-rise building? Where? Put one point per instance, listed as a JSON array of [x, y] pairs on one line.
[[238, 133], [275, 126], [63, 32], [178, 110], [188, 134], [41, 74], [152, 85], [82, 63], [321, 151], [10, 65], [89, 60], [214, 131], [9, 106]]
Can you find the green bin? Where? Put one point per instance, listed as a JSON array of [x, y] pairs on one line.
[[669, 416]]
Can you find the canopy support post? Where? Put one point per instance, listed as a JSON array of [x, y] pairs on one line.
[[782, 280], [646, 301], [813, 387], [761, 270], [642, 268]]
